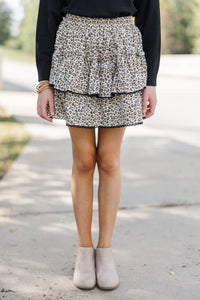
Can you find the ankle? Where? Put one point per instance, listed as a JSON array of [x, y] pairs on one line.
[[88, 244], [103, 245]]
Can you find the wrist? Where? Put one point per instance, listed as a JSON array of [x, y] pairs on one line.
[[42, 85]]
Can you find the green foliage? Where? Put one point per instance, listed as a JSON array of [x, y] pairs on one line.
[[14, 43], [28, 27], [180, 26], [12, 140], [5, 22], [16, 54], [196, 44]]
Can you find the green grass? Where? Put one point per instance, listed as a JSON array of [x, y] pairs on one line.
[[16, 54], [13, 137]]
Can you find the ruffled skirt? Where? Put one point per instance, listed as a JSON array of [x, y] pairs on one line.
[[98, 72]]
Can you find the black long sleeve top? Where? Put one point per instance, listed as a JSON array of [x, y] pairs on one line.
[[147, 18]]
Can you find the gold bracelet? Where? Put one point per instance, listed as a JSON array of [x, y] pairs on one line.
[[42, 85], [42, 89]]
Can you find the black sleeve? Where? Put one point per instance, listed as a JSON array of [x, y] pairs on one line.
[[147, 18], [48, 20]]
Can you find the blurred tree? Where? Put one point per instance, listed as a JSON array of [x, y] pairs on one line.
[[28, 26], [196, 45], [5, 22], [180, 26], [164, 22]]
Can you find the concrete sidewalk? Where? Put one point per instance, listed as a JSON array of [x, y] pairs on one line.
[[156, 242], [180, 65]]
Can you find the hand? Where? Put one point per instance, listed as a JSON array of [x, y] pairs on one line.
[[45, 98], [149, 101]]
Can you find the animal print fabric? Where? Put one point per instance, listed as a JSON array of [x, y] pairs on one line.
[[98, 72], [87, 111]]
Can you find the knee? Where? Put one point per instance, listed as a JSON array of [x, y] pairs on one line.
[[107, 162], [86, 163]]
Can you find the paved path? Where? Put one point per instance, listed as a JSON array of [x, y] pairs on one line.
[[156, 241]]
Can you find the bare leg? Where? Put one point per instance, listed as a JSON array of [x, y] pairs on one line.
[[108, 161], [84, 161]]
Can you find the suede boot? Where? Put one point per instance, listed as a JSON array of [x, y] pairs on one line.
[[106, 272], [84, 276]]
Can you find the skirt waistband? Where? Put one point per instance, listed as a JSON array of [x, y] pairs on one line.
[[99, 20]]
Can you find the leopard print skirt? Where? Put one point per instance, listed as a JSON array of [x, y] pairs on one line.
[[98, 72]]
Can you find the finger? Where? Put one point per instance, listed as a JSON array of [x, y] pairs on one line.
[[44, 114], [150, 111], [51, 106], [144, 104], [38, 108], [149, 114], [39, 112]]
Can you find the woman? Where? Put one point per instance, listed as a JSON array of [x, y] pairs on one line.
[[97, 69]]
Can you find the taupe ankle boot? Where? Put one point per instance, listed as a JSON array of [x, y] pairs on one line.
[[107, 276], [84, 274]]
